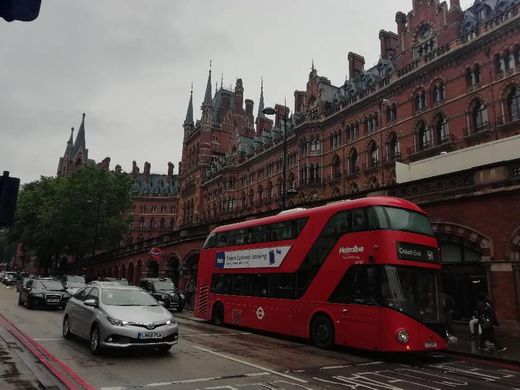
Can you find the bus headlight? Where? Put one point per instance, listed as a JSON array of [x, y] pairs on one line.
[[402, 336]]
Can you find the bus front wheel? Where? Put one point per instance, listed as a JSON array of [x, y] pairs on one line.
[[217, 316], [322, 332]]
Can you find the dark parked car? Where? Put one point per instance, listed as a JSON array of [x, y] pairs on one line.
[[10, 278], [165, 291], [43, 292]]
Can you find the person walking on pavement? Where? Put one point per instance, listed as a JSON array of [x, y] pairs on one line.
[[448, 307], [190, 290], [485, 312]]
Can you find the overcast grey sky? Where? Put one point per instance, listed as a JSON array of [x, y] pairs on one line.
[[128, 64]]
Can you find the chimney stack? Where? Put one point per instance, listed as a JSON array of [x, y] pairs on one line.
[[356, 65]]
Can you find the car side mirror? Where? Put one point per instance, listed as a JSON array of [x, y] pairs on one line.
[[91, 303]]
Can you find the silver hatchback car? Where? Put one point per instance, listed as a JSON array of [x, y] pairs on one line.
[[115, 316]]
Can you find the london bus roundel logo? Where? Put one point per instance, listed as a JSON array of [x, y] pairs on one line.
[[260, 313]]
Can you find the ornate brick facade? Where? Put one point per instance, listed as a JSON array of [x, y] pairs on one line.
[[447, 80]]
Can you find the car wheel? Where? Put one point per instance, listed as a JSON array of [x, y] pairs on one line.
[[66, 328], [28, 304], [180, 309], [322, 332], [20, 303], [217, 315], [95, 339]]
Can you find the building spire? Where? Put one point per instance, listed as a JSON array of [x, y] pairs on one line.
[[208, 95], [189, 113], [261, 103], [70, 142], [80, 143]]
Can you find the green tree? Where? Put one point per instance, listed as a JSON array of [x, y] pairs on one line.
[[73, 216], [7, 248]]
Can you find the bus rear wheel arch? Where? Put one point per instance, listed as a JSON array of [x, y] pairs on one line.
[[217, 314], [322, 331]]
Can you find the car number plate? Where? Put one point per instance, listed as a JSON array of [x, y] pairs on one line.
[[430, 344], [149, 335], [53, 300]]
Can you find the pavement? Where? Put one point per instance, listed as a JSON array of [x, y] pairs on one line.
[[469, 346]]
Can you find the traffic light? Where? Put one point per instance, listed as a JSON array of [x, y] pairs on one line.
[[23, 10], [8, 195]]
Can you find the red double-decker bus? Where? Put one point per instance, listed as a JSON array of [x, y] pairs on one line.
[[363, 273]]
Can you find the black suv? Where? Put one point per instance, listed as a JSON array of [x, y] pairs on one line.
[[43, 292], [165, 291]]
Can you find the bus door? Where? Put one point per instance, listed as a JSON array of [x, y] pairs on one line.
[[358, 313]]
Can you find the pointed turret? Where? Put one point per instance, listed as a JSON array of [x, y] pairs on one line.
[[80, 144], [261, 102], [208, 95], [67, 156], [207, 104], [189, 113]]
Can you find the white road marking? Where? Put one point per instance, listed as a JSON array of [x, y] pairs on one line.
[[182, 381], [334, 367], [58, 339], [251, 365], [214, 334], [369, 363]]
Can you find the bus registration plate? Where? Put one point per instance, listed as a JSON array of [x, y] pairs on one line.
[[149, 335], [430, 344]]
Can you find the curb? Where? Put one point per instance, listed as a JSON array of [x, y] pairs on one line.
[[496, 359]]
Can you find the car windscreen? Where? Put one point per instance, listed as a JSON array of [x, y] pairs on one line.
[[163, 286], [49, 285], [127, 297], [75, 280]]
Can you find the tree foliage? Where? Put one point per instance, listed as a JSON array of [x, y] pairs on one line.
[[7, 248], [73, 215]]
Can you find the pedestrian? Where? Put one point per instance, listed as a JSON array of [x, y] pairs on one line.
[[448, 307], [190, 290], [485, 313]]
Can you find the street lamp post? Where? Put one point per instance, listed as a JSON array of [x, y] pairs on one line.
[[272, 111]]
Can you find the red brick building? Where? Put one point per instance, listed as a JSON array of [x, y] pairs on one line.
[[436, 120]]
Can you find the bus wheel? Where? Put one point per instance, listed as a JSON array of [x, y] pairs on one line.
[[217, 316], [322, 332]]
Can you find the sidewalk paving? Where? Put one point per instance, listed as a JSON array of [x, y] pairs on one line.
[[19, 368], [468, 345]]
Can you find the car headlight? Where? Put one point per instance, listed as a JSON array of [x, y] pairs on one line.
[[38, 295], [117, 322], [164, 296], [181, 295], [66, 295], [171, 322], [402, 336]]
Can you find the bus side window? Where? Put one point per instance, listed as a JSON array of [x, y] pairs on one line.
[[377, 218], [259, 285], [281, 286], [241, 284], [242, 237], [210, 241], [359, 221], [358, 286], [221, 284]]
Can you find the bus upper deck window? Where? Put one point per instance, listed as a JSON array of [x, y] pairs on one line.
[[210, 241]]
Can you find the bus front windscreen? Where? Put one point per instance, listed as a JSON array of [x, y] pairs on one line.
[[401, 219], [412, 291]]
